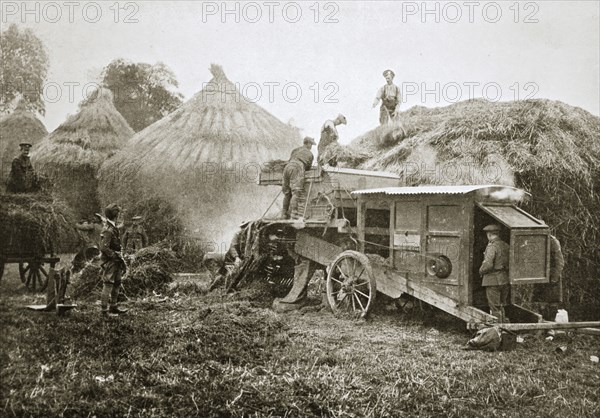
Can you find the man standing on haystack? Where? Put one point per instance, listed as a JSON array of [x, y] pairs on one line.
[[113, 264], [22, 178], [329, 138], [300, 161], [389, 95], [135, 238], [494, 270]]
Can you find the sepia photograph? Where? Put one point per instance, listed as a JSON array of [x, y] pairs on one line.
[[352, 208]]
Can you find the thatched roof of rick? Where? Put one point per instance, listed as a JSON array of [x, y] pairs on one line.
[[86, 139], [15, 128], [218, 124]]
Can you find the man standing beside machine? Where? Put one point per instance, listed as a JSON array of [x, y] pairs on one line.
[[494, 271], [300, 161]]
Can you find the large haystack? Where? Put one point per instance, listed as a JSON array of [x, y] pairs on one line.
[[202, 161], [72, 154], [548, 148], [15, 128]]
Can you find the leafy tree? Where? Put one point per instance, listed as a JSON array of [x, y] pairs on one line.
[[23, 69], [142, 91]]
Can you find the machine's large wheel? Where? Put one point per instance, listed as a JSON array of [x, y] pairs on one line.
[[33, 275], [351, 287]]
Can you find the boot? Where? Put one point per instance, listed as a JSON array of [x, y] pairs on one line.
[[117, 310]]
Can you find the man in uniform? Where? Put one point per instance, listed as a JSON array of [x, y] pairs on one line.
[[22, 178], [233, 257], [113, 264], [135, 237], [389, 95], [300, 160], [551, 294], [494, 270], [329, 137]]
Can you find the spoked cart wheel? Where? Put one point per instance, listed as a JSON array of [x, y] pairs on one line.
[[351, 287], [33, 274]]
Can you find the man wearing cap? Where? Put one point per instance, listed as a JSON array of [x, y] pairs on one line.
[[233, 257], [300, 161], [135, 237], [329, 136], [494, 271], [113, 264], [22, 177], [390, 98]]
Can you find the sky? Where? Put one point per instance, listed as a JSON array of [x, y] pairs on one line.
[[307, 61]]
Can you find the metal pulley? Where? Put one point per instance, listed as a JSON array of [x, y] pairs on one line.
[[439, 265]]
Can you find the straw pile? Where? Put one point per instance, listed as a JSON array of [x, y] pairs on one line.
[[72, 154], [15, 128], [203, 161], [35, 224], [548, 148]]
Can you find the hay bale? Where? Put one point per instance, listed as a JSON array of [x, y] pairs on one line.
[[36, 224], [163, 257], [144, 279], [72, 154], [87, 283], [547, 148]]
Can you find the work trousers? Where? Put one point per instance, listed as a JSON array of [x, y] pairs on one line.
[[497, 298], [293, 184], [111, 283]]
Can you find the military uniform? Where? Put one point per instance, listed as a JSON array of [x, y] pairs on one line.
[[22, 177], [113, 265], [135, 239], [494, 270], [551, 294], [300, 161]]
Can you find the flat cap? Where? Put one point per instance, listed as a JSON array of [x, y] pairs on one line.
[[386, 72], [492, 228], [25, 145], [309, 140]]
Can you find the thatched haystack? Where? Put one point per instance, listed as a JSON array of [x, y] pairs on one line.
[[72, 154], [202, 162], [548, 148], [15, 128]]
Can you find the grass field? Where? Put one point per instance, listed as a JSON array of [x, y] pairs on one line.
[[230, 355]]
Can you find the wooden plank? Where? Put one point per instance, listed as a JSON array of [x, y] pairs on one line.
[[376, 231], [393, 283], [316, 249], [550, 325]]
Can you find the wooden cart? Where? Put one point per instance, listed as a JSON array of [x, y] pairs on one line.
[[372, 235], [33, 268]]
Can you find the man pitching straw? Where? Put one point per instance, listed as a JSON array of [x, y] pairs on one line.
[[329, 137], [389, 95], [300, 161], [494, 270], [113, 264]]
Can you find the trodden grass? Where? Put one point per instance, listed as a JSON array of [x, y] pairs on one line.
[[219, 355]]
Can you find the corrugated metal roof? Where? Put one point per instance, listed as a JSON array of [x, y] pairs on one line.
[[361, 172], [433, 189]]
